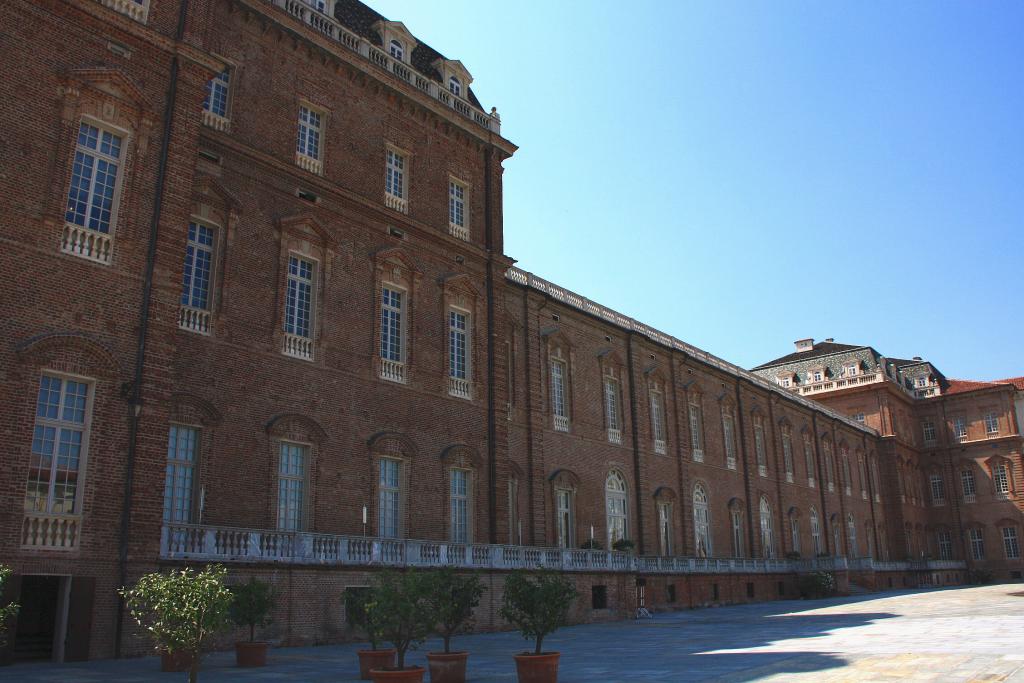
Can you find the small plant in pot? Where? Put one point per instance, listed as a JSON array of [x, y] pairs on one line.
[[537, 605], [591, 544], [360, 612], [453, 599], [403, 609], [181, 610], [623, 545], [250, 606]]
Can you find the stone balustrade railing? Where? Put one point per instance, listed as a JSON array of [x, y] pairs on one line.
[[226, 544], [50, 531], [334, 31]]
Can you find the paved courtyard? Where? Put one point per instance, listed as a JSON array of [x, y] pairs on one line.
[[966, 634]]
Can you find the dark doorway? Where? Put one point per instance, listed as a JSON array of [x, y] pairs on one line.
[[37, 617]]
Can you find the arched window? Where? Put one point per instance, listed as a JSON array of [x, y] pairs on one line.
[[767, 535], [815, 531], [736, 518], [455, 86], [837, 536], [615, 500], [794, 531], [701, 521], [851, 535], [397, 50]]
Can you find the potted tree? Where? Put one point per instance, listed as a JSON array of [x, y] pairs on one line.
[[250, 606], [403, 610], [8, 611], [537, 607], [453, 599], [360, 612], [181, 610]]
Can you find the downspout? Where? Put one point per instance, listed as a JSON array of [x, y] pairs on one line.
[[821, 479], [492, 463], [135, 388], [784, 528], [635, 431], [742, 427], [528, 393]]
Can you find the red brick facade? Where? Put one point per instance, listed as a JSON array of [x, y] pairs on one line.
[[110, 316]]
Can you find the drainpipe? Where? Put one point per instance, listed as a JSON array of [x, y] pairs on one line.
[[635, 431], [821, 479], [492, 460], [135, 388], [528, 395], [741, 426]]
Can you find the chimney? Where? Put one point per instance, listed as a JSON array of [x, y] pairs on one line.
[[804, 344], [830, 340], [917, 358]]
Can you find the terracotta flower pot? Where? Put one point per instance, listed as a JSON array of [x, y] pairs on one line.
[[251, 654], [179, 660], [542, 668], [374, 659], [411, 674], [447, 667]]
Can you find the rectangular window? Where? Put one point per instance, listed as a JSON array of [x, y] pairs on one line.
[[967, 483], [928, 430], [564, 523], [762, 458], [977, 544], [457, 223], [513, 512], [1010, 543], [179, 479], [736, 516], [216, 102], [390, 488], [459, 496], [960, 428], [307, 146], [787, 454], [92, 195], [195, 290], [291, 484], [394, 181], [1001, 479], [665, 528], [938, 488], [945, 545], [59, 441], [558, 403], [298, 308], [728, 433], [991, 423], [859, 417], [392, 334], [658, 422], [611, 410], [696, 433], [458, 358], [809, 459]]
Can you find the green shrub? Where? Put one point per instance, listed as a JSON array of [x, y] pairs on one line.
[[8, 611], [403, 609], [537, 606], [817, 585], [623, 545], [592, 544], [251, 603], [359, 604], [453, 599]]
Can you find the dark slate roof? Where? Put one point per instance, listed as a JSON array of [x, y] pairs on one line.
[[359, 18], [819, 349]]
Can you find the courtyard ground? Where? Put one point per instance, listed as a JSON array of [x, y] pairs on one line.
[[960, 634]]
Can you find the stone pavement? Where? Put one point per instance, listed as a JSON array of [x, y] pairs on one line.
[[966, 634]]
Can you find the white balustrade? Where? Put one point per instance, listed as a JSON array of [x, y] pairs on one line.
[[459, 387], [88, 244], [392, 370], [308, 163], [615, 436], [194, 319], [216, 121], [398, 204], [51, 532], [561, 423], [458, 231], [297, 346], [659, 447], [135, 10]]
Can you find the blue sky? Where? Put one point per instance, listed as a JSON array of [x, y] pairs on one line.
[[744, 174]]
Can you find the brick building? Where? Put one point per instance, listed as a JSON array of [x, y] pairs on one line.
[[265, 318]]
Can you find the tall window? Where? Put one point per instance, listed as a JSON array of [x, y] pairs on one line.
[[658, 421], [390, 498], [392, 346], [815, 532], [458, 354], [928, 431], [59, 441], [862, 473], [558, 403], [291, 482], [967, 484], [787, 453], [665, 528], [298, 308], [729, 432], [736, 517], [701, 521], [977, 543], [875, 479], [179, 478], [767, 535], [94, 179], [794, 533], [847, 479], [395, 175], [455, 86], [696, 431], [991, 423], [195, 290], [837, 539], [308, 148], [830, 466], [611, 409], [397, 50], [945, 543], [809, 459], [1001, 479], [759, 448], [1010, 543], [459, 497], [851, 535], [457, 210], [938, 488], [217, 90], [615, 505], [960, 428], [513, 512], [565, 521]]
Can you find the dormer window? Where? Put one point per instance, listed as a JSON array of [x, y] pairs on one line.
[[851, 369], [397, 50], [318, 5], [817, 375], [455, 86], [922, 381]]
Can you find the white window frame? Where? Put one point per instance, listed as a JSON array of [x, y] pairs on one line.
[[729, 435], [460, 512], [298, 343], [851, 535], [928, 431], [192, 316], [455, 85], [311, 126], [458, 209], [658, 421], [180, 473], [665, 528], [396, 179], [1001, 479], [460, 383], [937, 486], [217, 87], [976, 543], [612, 415], [559, 398], [616, 496], [794, 533], [759, 447], [701, 521], [816, 532], [696, 430], [1011, 543], [565, 517], [968, 485], [389, 498], [392, 363], [809, 459], [82, 237], [944, 541], [767, 529], [960, 429], [396, 49], [787, 453], [290, 518], [991, 423], [738, 541]]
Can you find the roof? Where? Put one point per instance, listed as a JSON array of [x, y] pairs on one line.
[[1015, 381], [820, 349], [962, 386], [359, 18]]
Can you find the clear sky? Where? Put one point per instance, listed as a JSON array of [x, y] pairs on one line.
[[745, 174]]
